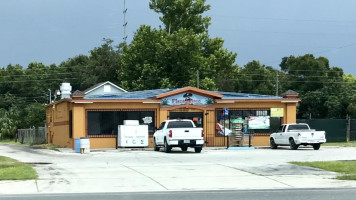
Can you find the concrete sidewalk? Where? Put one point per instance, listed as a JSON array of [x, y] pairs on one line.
[[111, 170]]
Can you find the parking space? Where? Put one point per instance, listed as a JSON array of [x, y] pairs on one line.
[[113, 170]]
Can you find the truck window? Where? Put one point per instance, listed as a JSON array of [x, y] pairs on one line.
[[284, 129], [180, 124], [162, 125], [280, 129], [298, 127]]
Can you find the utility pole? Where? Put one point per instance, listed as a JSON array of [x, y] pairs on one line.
[[197, 78], [50, 96], [125, 22], [277, 84]]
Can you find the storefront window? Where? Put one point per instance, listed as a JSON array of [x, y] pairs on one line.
[[246, 115], [107, 122]]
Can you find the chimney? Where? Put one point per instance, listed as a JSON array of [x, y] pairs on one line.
[[66, 90]]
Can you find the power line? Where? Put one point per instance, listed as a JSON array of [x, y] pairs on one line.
[[33, 75], [36, 80]]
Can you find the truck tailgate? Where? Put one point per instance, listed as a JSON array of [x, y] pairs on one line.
[[312, 136], [186, 133]]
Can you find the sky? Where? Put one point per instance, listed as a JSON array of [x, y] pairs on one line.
[[52, 31]]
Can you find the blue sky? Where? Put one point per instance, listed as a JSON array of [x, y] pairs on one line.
[[51, 31]]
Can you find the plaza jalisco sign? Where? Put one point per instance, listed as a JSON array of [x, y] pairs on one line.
[[187, 98]]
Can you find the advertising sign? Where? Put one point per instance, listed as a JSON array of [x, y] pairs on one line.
[[277, 112], [226, 111], [258, 122], [189, 98]]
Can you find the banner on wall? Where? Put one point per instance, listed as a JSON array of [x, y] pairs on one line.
[[258, 122], [189, 98], [277, 112]]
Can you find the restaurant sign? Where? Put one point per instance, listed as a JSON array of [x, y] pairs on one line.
[[187, 98]]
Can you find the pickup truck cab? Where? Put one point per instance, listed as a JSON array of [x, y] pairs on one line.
[[178, 133], [294, 135]]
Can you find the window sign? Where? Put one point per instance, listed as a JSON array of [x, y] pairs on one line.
[[188, 98], [226, 111], [147, 120], [277, 112], [258, 122]]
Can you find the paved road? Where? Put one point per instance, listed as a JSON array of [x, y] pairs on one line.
[[124, 170], [286, 194]]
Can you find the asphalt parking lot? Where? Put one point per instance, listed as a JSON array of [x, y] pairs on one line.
[[125, 170]]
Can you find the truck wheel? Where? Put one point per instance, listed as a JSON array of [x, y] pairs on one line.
[[184, 148], [198, 149], [273, 145], [293, 145], [167, 147], [316, 146], [155, 147]]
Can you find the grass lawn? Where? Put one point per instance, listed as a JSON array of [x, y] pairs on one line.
[[11, 141], [43, 146], [47, 146], [11, 169], [346, 168], [341, 144]]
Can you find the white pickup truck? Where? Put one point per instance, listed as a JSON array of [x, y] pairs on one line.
[[178, 133], [294, 135]]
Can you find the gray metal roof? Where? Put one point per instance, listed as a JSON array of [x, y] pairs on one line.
[[141, 95], [150, 94], [78, 92], [234, 95], [290, 92]]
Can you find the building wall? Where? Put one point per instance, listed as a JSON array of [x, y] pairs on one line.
[[58, 124], [80, 121], [98, 143], [260, 140], [290, 113], [60, 116]]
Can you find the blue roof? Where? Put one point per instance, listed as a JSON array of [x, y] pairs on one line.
[[140, 95], [234, 95], [150, 94]]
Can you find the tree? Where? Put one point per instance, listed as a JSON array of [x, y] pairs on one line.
[[322, 88], [75, 71], [104, 62], [85, 71], [9, 122], [35, 115], [305, 73], [186, 14], [257, 78], [158, 58], [349, 92]]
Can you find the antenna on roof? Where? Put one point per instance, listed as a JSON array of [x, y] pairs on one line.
[[125, 22]]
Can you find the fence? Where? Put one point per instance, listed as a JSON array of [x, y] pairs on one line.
[[31, 135], [337, 130], [353, 130]]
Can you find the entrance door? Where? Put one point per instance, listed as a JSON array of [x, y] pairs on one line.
[[197, 117]]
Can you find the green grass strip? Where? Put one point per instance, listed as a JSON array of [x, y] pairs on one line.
[[347, 168], [11, 169], [341, 144]]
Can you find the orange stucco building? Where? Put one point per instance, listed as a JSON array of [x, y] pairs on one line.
[[96, 113]]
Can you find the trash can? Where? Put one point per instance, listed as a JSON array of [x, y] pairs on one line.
[[77, 145], [84, 145]]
